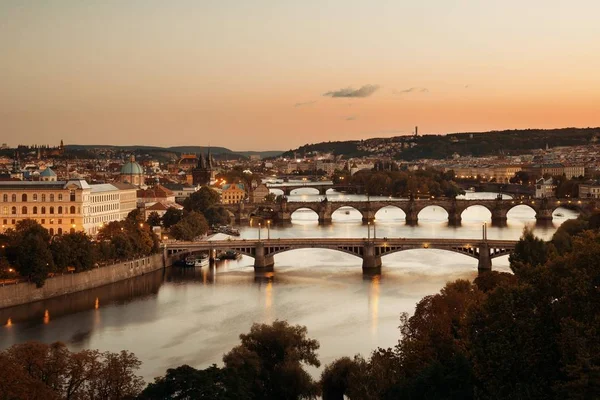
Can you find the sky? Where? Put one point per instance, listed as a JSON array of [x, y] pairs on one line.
[[276, 74]]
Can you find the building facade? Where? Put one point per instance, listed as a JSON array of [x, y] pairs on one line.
[[233, 193], [589, 190], [65, 206]]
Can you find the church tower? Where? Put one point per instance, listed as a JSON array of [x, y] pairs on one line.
[[203, 173]]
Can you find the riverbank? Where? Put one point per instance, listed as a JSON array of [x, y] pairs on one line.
[[25, 292]]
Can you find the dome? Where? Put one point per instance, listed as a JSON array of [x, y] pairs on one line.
[[47, 173], [131, 168]]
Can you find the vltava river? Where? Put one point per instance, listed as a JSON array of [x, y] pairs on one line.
[[193, 316]]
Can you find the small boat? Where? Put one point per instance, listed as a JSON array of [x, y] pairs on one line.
[[193, 261], [347, 212], [559, 214], [228, 230]]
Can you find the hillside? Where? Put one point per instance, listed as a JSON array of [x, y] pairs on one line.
[[216, 151], [443, 146]]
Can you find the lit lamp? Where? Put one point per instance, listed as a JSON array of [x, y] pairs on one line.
[[268, 229]]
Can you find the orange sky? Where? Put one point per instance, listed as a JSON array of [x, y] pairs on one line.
[[253, 75]]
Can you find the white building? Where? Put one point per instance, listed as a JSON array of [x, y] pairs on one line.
[[65, 206], [544, 188]]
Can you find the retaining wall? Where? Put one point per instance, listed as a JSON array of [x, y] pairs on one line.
[[22, 293]]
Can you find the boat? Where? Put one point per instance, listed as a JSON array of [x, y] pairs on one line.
[[228, 230], [230, 255], [197, 261], [559, 214], [347, 212]]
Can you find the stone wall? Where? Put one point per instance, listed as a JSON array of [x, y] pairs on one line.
[[22, 293]]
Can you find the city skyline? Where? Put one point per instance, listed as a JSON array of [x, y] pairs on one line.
[[273, 76]]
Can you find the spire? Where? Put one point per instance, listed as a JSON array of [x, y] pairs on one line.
[[208, 159]]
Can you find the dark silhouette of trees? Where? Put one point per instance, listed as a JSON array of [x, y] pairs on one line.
[[154, 219], [190, 227]]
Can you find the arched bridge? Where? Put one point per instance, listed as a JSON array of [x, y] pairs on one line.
[[499, 208], [370, 250], [322, 187]]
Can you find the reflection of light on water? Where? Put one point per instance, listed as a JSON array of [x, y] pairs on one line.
[[374, 303], [46, 317], [9, 322], [269, 296], [97, 304]]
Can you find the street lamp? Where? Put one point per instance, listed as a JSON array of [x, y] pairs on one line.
[[374, 229], [368, 230], [259, 231], [268, 229]]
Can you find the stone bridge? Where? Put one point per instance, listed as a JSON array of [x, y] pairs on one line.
[[322, 187], [499, 208], [370, 250]]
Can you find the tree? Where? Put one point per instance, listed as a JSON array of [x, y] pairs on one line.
[[190, 227], [529, 251], [335, 379], [217, 215], [154, 219], [171, 217], [201, 200], [185, 382], [135, 216], [270, 359], [73, 250], [34, 259], [270, 198]]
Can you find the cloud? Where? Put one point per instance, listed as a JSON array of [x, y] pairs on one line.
[[412, 90], [364, 91], [306, 103]]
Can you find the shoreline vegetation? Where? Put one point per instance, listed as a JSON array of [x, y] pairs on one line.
[[531, 334]]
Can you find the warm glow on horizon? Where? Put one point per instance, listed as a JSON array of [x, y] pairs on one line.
[[267, 75]]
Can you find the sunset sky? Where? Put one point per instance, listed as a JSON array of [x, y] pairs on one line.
[[275, 74]]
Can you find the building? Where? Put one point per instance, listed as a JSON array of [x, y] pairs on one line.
[[544, 188], [181, 191], [47, 175], [132, 173], [233, 193], [154, 194], [203, 174], [590, 189], [160, 208], [259, 193], [65, 206], [574, 171]]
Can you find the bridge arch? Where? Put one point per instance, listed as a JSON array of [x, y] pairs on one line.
[[440, 210], [469, 252], [527, 211], [294, 214], [338, 211], [385, 212], [356, 253], [473, 208], [304, 190]]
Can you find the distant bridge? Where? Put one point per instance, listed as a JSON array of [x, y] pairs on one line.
[[499, 208], [370, 250], [322, 187]]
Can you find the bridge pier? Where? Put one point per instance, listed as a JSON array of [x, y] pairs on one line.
[[485, 261], [262, 262], [543, 214], [284, 216], [499, 217], [371, 262], [368, 215], [454, 218], [412, 217]]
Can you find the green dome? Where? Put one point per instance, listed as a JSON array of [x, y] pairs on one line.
[[132, 168], [47, 173]]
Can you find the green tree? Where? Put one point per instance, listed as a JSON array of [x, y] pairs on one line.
[[29, 251], [171, 217], [201, 200], [73, 250], [154, 219], [190, 227], [529, 251], [217, 215], [335, 379], [270, 362]]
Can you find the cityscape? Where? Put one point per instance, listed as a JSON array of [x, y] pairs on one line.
[[170, 230]]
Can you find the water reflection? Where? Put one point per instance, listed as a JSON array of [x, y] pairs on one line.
[[374, 303]]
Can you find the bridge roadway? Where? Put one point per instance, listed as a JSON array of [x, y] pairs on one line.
[[322, 187], [499, 208], [370, 250]]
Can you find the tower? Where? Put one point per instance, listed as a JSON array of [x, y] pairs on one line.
[[202, 174]]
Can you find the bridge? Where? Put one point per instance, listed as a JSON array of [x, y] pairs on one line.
[[370, 250], [322, 187], [499, 208]]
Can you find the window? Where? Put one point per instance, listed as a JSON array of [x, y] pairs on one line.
[[52, 197], [72, 221], [35, 197], [72, 195], [72, 211], [5, 221], [43, 221], [24, 210], [51, 210], [14, 221], [60, 209], [60, 198], [51, 231], [14, 198], [51, 221], [5, 198], [59, 221], [24, 197], [35, 210], [44, 197], [13, 210], [60, 231], [43, 210]]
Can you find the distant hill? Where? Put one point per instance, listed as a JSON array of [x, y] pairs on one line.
[[509, 142], [217, 151]]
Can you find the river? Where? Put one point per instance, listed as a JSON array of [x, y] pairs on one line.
[[194, 316]]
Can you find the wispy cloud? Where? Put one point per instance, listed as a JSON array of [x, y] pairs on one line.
[[364, 91], [412, 90], [306, 103]]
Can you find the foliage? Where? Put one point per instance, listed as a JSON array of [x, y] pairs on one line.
[[34, 370], [270, 359], [201, 200], [74, 250], [127, 239], [154, 219], [335, 379], [217, 215], [190, 227], [171, 217], [529, 251]]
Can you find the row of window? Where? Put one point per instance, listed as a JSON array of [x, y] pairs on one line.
[[51, 209], [105, 197], [106, 207], [24, 197], [42, 221]]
